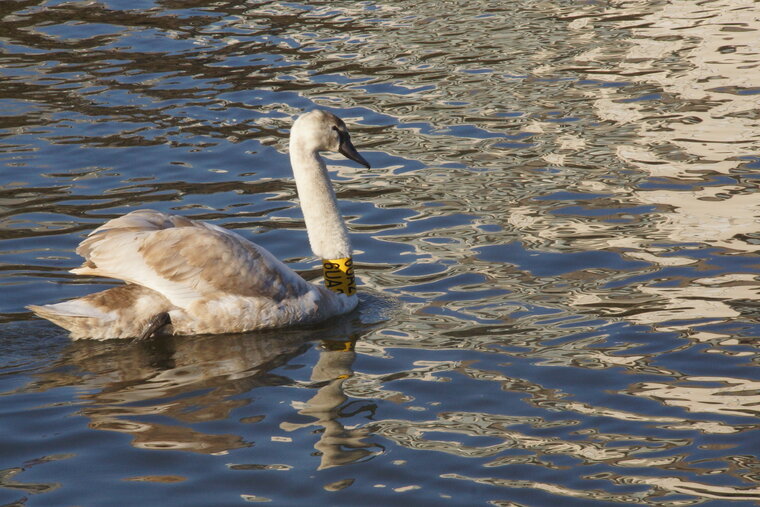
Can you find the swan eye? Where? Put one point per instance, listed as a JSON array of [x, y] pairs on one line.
[[342, 135]]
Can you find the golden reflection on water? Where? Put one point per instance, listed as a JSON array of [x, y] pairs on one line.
[[737, 397], [667, 485], [702, 125]]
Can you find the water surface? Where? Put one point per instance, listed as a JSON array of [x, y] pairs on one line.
[[556, 247]]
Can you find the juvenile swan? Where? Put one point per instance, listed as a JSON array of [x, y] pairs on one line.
[[188, 277]]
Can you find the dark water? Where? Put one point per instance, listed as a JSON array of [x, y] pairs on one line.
[[557, 246]]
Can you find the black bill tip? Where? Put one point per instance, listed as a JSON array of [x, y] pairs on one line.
[[347, 150]]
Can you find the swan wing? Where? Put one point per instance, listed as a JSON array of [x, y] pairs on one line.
[[185, 260]]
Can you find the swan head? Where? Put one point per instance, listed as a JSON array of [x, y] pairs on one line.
[[319, 130]]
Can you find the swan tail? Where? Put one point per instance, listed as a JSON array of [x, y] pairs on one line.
[[121, 312], [76, 316]]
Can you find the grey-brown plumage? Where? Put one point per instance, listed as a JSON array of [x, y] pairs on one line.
[[208, 279]]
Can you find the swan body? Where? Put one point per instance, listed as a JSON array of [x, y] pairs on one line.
[[189, 277]]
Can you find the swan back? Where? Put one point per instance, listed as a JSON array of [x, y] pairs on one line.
[[185, 260]]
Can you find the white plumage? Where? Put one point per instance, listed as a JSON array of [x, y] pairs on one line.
[[206, 278]]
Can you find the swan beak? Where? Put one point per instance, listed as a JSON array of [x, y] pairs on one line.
[[347, 150]]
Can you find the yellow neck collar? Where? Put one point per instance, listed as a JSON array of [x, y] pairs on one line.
[[339, 275]]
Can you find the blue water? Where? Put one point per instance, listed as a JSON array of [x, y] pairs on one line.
[[556, 248]]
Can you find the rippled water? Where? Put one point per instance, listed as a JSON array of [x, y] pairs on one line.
[[557, 251]]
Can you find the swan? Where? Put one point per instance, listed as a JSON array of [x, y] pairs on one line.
[[189, 277]]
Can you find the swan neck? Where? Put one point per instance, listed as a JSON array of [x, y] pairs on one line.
[[328, 236]]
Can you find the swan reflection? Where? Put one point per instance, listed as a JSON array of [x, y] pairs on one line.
[[337, 444], [162, 391]]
